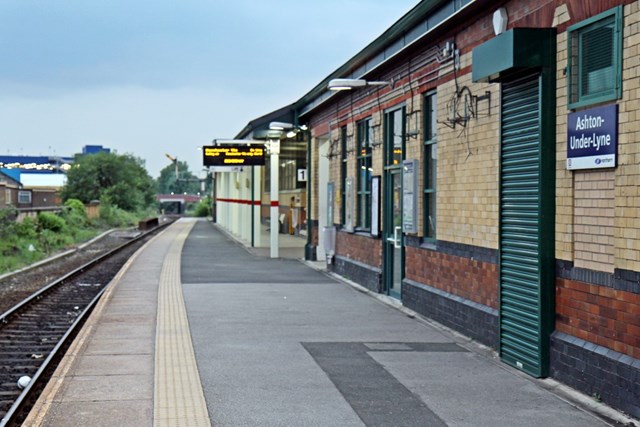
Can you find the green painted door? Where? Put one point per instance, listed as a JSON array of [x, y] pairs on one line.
[[392, 234], [522, 335]]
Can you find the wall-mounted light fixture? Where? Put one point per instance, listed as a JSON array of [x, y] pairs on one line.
[[280, 125], [292, 130], [348, 84], [500, 21]]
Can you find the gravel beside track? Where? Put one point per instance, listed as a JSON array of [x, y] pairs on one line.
[[29, 335], [18, 286]]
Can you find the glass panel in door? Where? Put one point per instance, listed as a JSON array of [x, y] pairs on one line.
[[393, 234]]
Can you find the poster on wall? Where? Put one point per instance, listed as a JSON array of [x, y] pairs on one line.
[[592, 138], [349, 196], [409, 196], [375, 206]]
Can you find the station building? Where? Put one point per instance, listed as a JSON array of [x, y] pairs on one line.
[[484, 169], [243, 202]]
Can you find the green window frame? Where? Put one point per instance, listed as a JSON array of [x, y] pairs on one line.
[[364, 167], [343, 174], [594, 67], [430, 160], [394, 136]]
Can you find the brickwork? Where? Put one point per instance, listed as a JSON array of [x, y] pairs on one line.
[[363, 274], [473, 320], [594, 219], [564, 178], [624, 250], [473, 280], [596, 371], [314, 178], [597, 222], [627, 189], [414, 147], [361, 248], [467, 175], [598, 314], [335, 173]]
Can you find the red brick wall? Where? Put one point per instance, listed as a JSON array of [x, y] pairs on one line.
[[366, 250], [601, 315], [470, 279]]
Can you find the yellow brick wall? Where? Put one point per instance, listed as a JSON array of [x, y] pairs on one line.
[[594, 207], [564, 178], [414, 146], [334, 172], [575, 189], [627, 193], [467, 175]]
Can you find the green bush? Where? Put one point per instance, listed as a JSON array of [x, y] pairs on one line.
[[50, 240], [115, 217], [27, 229], [203, 209], [51, 222], [7, 221], [74, 213]]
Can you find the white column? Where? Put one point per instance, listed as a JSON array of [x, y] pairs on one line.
[[274, 149], [257, 206]]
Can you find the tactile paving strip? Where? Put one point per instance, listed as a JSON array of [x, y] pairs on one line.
[[178, 395]]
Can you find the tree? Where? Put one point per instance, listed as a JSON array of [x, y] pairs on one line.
[[121, 179], [187, 182]]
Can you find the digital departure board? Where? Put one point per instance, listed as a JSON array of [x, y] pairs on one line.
[[233, 155]]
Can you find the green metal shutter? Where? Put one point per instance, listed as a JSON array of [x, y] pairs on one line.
[[521, 337]]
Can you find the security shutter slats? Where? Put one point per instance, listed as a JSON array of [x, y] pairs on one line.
[[520, 224]]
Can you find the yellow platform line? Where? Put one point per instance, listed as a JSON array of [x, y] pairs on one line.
[[178, 395]]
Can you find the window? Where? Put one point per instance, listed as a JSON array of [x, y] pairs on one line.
[[364, 170], [394, 137], [293, 156], [343, 173], [430, 164], [595, 59], [24, 197]]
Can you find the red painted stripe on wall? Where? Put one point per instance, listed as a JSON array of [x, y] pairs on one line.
[[275, 204], [239, 201]]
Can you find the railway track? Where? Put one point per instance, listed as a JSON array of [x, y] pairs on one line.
[[35, 333]]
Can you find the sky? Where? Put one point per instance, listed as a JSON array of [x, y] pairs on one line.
[[153, 77]]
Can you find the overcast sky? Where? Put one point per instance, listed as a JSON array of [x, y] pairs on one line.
[[156, 77]]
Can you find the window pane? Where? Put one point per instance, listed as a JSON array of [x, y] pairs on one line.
[[430, 223], [598, 74], [431, 159], [343, 172], [431, 123], [430, 165], [398, 133], [364, 173]]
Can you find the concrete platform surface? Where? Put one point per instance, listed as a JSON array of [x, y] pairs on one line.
[[196, 330]]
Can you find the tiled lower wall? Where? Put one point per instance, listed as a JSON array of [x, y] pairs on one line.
[[597, 371], [467, 317], [360, 273]]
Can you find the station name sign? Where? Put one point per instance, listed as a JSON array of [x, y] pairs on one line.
[[592, 138], [233, 155]]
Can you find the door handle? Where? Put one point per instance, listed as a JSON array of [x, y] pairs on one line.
[[396, 237]]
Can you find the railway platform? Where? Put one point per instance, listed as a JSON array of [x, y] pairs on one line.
[[197, 331]]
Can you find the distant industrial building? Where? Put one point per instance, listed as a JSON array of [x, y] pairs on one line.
[[35, 181]]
